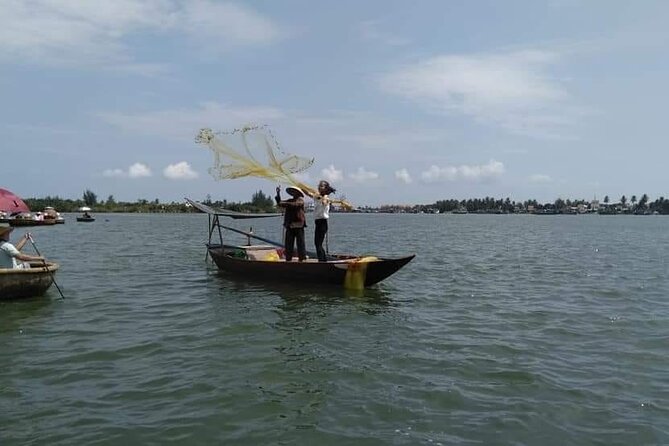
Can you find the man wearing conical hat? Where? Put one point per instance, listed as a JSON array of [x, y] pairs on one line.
[[294, 221], [10, 254]]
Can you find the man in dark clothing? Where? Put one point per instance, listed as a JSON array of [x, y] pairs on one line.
[[294, 221]]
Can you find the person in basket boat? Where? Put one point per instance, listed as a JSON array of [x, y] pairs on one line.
[[10, 255]]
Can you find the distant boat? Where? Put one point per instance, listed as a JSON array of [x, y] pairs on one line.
[[86, 218], [32, 282], [460, 210], [51, 214]]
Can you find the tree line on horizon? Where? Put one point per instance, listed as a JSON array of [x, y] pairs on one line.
[[260, 202], [559, 206]]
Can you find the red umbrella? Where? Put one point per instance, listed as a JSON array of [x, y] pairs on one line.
[[11, 203]]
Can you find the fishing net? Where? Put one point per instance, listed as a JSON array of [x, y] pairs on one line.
[[253, 151]]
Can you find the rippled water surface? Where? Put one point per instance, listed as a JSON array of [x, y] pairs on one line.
[[504, 330]]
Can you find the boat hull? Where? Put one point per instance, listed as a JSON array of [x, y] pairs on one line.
[[16, 222], [20, 283], [86, 219], [347, 271]]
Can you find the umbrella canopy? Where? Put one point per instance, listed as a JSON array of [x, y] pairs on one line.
[[11, 203], [84, 209]]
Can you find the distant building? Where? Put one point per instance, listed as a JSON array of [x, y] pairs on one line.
[[594, 205]]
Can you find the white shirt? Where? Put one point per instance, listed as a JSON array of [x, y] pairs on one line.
[[321, 207], [8, 253]]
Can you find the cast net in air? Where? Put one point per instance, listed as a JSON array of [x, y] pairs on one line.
[[253, 151]]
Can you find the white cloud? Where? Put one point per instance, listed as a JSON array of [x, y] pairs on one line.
[[302, 177], [331, 174], [372, 31], [83, 32], [184, 123], [114, 173], [228, 23], [139, 170], [362, 175], [512, 90], [403, 176], [479, 172], [540, 178], [180, 171]]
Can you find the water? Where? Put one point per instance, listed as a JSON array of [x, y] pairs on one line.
[[504, 330]]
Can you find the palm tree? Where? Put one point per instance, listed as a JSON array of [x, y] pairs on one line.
[[643, 201], [559, 204], [90, 199]]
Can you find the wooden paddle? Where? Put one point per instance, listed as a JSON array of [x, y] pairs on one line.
[[46, 267]]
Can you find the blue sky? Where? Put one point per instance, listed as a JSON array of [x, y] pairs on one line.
[[398, 102]]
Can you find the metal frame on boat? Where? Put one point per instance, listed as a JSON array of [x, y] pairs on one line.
[[266, 262]]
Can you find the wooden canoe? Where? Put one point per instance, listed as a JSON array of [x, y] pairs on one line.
[[354, 272], [17, 283]]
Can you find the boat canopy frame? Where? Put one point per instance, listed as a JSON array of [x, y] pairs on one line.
[[215, 223]]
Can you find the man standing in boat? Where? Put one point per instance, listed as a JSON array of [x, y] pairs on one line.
[[9, 254], [294, 221], [321, 215]]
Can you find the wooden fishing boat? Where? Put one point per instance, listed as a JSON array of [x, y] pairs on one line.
[[32, 282], [266, 262]]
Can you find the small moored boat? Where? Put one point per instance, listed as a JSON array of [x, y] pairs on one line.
[[28, 219], [32, 282], [51, 214]]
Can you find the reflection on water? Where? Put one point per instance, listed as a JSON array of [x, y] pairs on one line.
[[297, 293], [22, 313]]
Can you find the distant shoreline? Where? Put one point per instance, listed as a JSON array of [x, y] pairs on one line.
[[261, 203]]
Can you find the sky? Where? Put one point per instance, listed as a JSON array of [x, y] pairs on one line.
[[398, 102]]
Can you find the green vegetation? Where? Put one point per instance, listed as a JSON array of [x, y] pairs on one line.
[[90, 199], [265, 203], [490, 205], [259, 203]]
